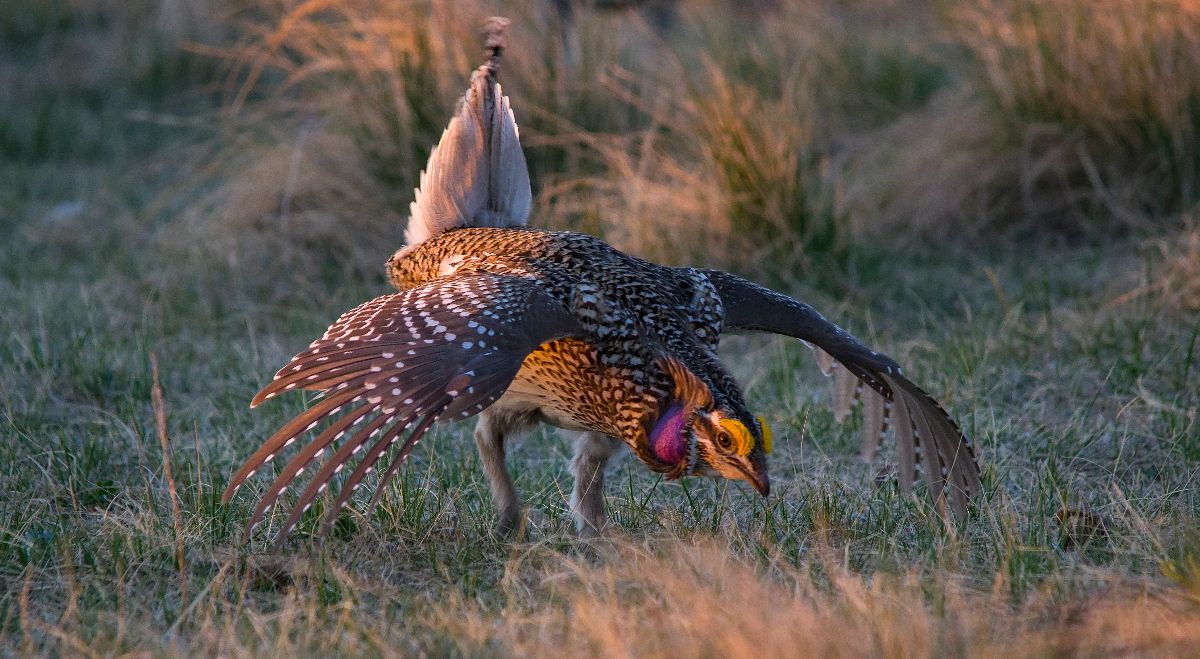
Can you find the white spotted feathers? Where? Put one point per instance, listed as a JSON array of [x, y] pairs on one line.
[[400, 362]]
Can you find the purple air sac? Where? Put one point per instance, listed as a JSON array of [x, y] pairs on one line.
[[667, 441]]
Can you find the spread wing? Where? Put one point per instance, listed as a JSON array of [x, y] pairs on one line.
[[397, 364], [923, 430]]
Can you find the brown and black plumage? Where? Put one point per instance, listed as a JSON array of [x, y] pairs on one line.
[[518, 325]]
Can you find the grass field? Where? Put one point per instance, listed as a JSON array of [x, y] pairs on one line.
[[209, 184]]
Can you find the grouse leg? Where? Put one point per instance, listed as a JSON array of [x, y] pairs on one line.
[[490, 432], [592, 451]]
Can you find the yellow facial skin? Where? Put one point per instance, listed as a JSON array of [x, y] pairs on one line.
[[727, 447], [766, 433], [743, 440]]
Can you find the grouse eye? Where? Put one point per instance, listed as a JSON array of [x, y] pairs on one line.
[[724, 441]]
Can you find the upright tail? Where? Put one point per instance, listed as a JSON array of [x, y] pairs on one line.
[[476, 176]]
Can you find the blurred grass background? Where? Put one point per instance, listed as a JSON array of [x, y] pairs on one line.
[[1000, 193]]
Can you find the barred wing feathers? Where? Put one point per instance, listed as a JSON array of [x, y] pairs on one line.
[[397, 364], [924, 432]]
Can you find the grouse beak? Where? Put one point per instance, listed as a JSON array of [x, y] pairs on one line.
[[762, 483], [759, 479]]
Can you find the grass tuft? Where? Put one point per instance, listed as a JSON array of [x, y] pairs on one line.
[[1098, 100]]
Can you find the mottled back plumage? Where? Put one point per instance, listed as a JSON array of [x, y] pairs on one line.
[[633, 311]]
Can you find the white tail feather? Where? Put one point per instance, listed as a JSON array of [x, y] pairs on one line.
[[476, 176]]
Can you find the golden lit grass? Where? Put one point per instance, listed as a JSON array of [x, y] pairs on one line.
[[1064, 115], [1099, 99], [693, 599], [302, 206], [803, 131], [702, 145], [374, 83], [659, 597], [714, 177]]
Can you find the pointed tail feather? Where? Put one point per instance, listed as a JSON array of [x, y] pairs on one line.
[[476, 175]]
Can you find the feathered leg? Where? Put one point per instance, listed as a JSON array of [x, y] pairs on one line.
[[490, 432], [592, 451]]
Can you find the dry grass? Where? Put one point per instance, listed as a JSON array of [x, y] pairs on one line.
[[1065, 115], [713, 176], [695, 600], [356, 94], [1099, 98], [672, 146], [303, 207], [663, 597], [934, 173], [1180, 281], [1174, 273], [668, 146]]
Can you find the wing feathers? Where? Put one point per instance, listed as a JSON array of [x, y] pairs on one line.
[[366, 467], [873, 424], [953, 460], [335, 432], [320, 481], [282, 437], [906, 445], [305, 457], [845, 392], [825, 361], [935, 471], [401, 362], [862, 374]]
